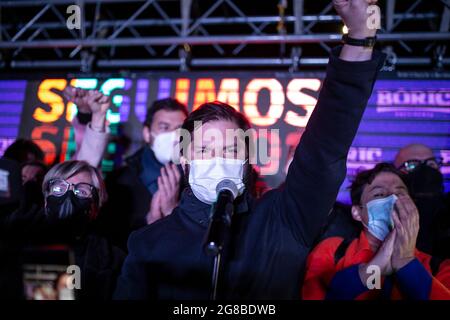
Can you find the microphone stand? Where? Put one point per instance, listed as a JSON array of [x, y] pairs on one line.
[[219, 227], [215, 276], [215, 242], [213, 248]]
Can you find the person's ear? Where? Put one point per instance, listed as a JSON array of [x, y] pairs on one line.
[[356, 213], [146, 134]]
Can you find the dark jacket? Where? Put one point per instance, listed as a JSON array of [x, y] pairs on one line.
[[128, 201], [439, 231], [270, 237], [340, 223], [99, 261]]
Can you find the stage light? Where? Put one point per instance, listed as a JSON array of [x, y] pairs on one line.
[[344, 29]]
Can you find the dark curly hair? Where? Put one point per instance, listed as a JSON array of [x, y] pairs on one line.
[[215, 111], [167, 104], [24, 150], [366, 177]]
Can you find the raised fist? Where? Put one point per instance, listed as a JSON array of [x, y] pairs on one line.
[[360, 16]]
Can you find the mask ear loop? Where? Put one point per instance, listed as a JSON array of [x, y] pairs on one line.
[[362, 222], [186, 184], [247, 175], [392, 226]]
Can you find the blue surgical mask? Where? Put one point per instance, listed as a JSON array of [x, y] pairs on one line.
[[380, 216]]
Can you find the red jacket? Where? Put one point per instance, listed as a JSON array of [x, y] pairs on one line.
[[326, 279]]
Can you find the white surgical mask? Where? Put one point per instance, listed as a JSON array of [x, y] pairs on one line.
[[380, 216], [164, 146], [205, 174]]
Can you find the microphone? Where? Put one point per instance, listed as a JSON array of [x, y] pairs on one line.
[[220, 220]]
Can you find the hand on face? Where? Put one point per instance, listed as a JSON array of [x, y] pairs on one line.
[[399, 246], [406, 224]]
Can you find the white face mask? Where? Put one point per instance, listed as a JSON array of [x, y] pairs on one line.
[[164, 146], [205, 174]]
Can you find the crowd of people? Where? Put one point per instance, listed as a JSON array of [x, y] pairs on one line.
[[138, 233]]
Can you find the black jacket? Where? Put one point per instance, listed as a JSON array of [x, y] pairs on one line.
[[100, 264], [129, 198], [340, 223], [27, 227], [128, 202], [271, 237]]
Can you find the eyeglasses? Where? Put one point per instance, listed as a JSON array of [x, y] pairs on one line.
[[58, 187], [411, 165]]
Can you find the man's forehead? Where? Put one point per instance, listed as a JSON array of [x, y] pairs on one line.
[[219, 130], [221, 124], [385, 180], [415, 152], [211, 142], [169, 115]]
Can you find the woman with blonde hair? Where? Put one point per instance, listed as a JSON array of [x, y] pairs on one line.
[[73, 192]]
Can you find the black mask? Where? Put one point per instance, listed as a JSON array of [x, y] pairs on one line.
[[69, 210], [426, 187], [425, 181], [32, 191]]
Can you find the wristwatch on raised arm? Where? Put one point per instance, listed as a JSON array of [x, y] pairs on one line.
[[368, 42]]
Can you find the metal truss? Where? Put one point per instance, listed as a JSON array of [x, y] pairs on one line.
[[191, 34]]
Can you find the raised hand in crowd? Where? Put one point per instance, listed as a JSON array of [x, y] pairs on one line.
[[356, 14], [90, 101]]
